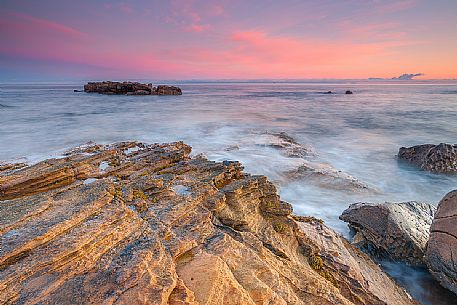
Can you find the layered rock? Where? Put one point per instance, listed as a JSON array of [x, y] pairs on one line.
[[131, 223], [130, 88], [397, 230], [440, 158], [441, 254]]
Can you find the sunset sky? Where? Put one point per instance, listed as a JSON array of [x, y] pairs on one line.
[[179, 39]]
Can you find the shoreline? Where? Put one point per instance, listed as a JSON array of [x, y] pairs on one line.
[[66, 152]]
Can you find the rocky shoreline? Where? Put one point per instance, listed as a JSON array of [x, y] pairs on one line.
[[130, 88], [148, 224]]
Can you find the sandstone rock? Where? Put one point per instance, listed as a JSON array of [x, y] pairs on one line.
[[397, 230], [440, 158], [440, 256], [130, 88], [131, 223]]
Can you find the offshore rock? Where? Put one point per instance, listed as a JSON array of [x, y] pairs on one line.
[[397, 230], [440, 158], [440, 257], [130, 88], [131, 223]]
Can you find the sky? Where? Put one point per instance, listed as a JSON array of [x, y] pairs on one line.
[[237, 39]]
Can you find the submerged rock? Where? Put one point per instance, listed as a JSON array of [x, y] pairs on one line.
[[327, 176], [130, 88], [287, 145], [397, 230], [440, 158], [131, 223], [441, 254], [301, 167]]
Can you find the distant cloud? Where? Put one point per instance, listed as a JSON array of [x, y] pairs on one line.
[[407, 76]]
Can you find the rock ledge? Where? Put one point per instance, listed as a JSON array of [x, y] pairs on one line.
[[131, 223]]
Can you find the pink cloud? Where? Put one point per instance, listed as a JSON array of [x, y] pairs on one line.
[[197, 28], [396, 6], [13, 16], [373, 31], [125, 8]]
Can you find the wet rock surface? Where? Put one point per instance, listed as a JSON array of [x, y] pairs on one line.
[[441, 254], [398, 231], [130, 88], [308, 169], [131, 223], [440, 158]]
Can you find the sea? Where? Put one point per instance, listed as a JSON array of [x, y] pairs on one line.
[[347, 143]]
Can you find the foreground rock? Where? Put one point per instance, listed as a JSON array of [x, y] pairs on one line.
[[397, 230], [131, 223], [440, 158], [441, 255], [130, 88]]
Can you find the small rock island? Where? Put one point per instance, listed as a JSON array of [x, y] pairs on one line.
[[130, 88]]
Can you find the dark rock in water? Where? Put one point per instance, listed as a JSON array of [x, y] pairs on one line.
[[397, 230], [130, 88], [348, 92], [441, 254], [78, 90], [167, 90], [139, 92], [440, 158], [132, 223]]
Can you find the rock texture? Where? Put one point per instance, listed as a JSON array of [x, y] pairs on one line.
[[397, 230], [441, 255], [130, 88], [131, 223], [440, 158]]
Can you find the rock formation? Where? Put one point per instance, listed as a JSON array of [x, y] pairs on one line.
[[131, 223], [397, 230], [440, 158], [441, 254], [130, 88]]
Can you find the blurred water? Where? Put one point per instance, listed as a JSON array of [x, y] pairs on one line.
[[359, 134]]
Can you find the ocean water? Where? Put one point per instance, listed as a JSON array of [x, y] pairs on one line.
[[348, 141]]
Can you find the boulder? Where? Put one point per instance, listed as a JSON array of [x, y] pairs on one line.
[[398, 231], [133, 223], [349, 92], [441, 254], [130, 88], [167, 90], [440, 158]]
